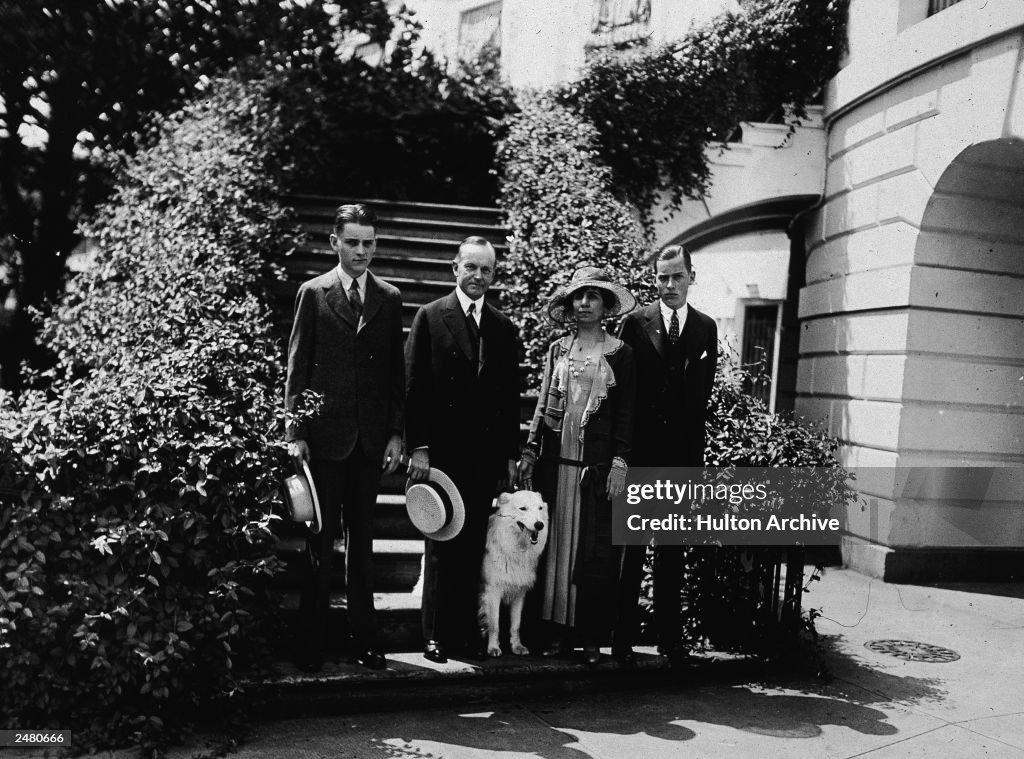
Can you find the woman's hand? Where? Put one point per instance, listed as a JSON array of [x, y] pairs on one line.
[[524, 475], [616, 478]]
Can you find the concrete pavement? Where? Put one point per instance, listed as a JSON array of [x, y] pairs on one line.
[[873, 704]]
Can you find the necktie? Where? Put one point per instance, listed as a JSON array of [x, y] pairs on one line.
[[673, 328], [474, 332], [355, 301]]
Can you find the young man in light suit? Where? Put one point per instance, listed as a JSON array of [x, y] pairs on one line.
[[675, 349], [346, 345]]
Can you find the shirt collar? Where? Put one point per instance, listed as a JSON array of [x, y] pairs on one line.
[[465, 300], [346, 280], [666, 313]]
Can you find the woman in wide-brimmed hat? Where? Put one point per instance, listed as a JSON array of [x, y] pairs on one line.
[[577, 453]]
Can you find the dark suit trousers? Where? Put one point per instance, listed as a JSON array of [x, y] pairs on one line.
[[451, 573], [668, 584], [348, 493]]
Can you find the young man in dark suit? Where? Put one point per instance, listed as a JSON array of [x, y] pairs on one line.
[[675, 349], [346, 345], [462, 417]]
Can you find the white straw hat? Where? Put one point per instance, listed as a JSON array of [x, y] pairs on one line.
[[435, 506]]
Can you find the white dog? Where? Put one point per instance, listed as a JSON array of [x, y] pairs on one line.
[[516, 535]]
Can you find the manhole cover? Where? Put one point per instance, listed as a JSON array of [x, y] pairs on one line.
[[912, 650]]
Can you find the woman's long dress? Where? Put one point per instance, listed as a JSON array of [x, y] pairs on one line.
[[559, 592]]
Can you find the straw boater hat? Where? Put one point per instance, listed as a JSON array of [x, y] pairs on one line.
[[300, 497], [582, 278], [435, 506]]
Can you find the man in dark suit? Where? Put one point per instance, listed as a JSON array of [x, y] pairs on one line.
[[346, 346], [675, 348], [462, 401]]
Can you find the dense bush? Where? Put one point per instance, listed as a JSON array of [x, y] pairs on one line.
[[401, 128], [729, 600], [657, 112], [134, 536], [562, 214]]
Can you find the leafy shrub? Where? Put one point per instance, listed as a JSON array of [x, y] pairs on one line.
[[729, 599], [656, 113], [561, 212], [134, 536], [401, 129]]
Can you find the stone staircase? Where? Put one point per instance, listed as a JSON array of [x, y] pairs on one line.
[[415, 246]]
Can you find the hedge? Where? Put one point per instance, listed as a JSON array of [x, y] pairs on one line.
[[134, 553], [562, 214]]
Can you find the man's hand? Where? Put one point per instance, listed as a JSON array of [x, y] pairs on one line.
[[419, 465], [299, 452], [392, 454]]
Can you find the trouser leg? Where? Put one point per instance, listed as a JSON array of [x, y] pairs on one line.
[[668, 583], [319, 560], [361, 483], [631, 573]]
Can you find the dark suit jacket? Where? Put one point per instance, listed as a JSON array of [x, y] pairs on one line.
[[360, 375], [459, 413], [671, 406]]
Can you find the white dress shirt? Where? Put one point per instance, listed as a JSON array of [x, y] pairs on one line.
[[465, 300], [666, 315]]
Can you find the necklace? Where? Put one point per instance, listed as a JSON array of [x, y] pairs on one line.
[[578, 366]]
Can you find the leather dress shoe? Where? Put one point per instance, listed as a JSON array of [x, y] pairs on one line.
[[624, 655], [432, 651], [555, 649], [591, 654], [677, 657], [372, 659], [309, 664]]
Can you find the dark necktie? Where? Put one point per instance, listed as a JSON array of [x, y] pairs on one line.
[[474, 332], [673, 328], [355, 301]]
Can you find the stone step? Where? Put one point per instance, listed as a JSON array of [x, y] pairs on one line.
[[398, 615], [416, 291], [394, 209], [450, 233], [410, 681], [397, 563], [393, 245]]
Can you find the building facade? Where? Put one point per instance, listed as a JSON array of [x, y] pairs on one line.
[[872, 260]]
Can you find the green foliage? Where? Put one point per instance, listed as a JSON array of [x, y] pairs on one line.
[[729, 600], [400, 128], [656, 113], [83, 78], [562, 214], [133, 555]]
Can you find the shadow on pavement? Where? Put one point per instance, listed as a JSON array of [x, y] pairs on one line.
[[779, 705]]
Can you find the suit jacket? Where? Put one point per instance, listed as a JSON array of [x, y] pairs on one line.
[[463, 411], [360, 374], [673, 386]]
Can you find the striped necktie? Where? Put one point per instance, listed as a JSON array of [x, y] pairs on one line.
[[355, 300]]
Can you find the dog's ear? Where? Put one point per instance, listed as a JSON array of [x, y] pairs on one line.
[[501, 499]]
